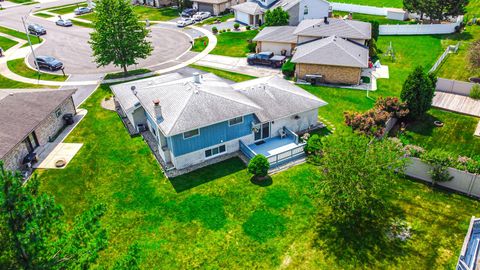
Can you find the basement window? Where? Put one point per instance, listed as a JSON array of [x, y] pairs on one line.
[[213, 152]]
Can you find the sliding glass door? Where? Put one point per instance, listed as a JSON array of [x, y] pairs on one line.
[[262, 132]]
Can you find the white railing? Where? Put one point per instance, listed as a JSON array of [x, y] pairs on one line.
[[298, 151], [450, 49], [454, 87], [379, 11], [420, 29]]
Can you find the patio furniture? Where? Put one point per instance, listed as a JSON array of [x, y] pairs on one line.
[[282, 132]]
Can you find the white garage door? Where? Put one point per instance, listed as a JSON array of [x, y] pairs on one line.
[[242, 17], [276, 48]]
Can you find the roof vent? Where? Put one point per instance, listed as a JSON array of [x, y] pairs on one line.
[[157, 109], [196, 77], [133, 88]]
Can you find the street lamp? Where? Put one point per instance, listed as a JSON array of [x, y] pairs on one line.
[[29, 41]]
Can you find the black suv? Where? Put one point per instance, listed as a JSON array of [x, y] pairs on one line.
[[36, 29], [267, 59], [49, 63]]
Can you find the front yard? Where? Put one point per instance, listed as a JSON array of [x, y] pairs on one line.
[[156, 14], [233, 43], [19, 67], [216, 218]]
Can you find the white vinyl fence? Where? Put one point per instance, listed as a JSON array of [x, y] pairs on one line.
[[360, 9], [420, 29], [450, 49], [454, 87], [464, 182]]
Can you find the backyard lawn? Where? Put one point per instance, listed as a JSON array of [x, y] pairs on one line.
[[6, 43], [19, 67], [369, 18], [156, 14], [375, 3], [228, 43], [216, 218]]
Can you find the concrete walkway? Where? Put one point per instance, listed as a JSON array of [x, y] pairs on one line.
[[181, 61], [237, 65]]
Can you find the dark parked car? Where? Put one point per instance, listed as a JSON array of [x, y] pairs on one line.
[[189, 12], [267, 59], [49, 62], [36, 29]]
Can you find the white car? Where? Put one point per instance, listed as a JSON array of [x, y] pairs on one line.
[[202, 15], [184, 22]]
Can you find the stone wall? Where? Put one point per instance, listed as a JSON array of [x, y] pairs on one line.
[[331, 74], [49, 127]]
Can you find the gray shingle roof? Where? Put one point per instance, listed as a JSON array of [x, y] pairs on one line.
[[187, 105], [332, 51], [21, 112], [278, 98], [283, 34], [342, 28], [251, 8]]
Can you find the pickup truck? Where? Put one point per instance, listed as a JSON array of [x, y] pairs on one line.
[[267, 59]]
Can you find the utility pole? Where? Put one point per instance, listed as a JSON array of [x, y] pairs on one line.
[[31, 47]]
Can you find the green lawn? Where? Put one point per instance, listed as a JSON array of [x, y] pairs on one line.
[[156, 14], [42, 15], [229, 43], [89, 16], [6, 83], [200, 44], [6, 43], [212, 20], [232, 76], [129, 73], [455, 136], [19, 67], [216, 218], [375, 3], [20, 35], [82, 24], [61, 10], [368, 18]]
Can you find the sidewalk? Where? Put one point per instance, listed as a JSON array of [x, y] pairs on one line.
[[237, 65]]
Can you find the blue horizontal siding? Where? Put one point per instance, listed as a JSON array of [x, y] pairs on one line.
[[210, 135]]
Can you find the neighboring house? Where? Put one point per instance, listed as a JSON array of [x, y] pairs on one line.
[[331, 60], [285, 38], [29, 120], [470, 254], [252, 12], [153, 3], [215, 7], [200, 120]]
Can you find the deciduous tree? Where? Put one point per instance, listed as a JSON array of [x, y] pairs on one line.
[[276, 17], [118, 37], [34, 234]]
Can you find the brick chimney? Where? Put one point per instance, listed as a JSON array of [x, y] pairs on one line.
[[157, 109]]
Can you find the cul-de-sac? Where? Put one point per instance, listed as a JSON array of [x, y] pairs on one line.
[[240, 134]]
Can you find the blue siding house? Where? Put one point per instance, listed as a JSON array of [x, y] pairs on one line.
[[202, 119]]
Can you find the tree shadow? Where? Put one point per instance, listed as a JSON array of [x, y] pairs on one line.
[[423, 126], [262, 182], [361, 246], [206, 174]]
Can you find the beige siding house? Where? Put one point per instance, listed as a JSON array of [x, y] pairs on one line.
[[215, 7], [29, 120]]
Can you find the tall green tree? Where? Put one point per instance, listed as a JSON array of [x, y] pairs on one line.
[[418, 91], [118, 37], [436, 9], [357, 176], [415, 6], [34, 234], [276, 17]]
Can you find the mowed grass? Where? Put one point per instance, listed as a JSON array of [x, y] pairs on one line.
[[369, 18], [19, 67], [228, 43], [20, 35], [199, 44], [232, 76], [43, 15], [66, 9], [216, 218], [375, 3], [6, 43], [455, 136], [6, 83], [156, 14]]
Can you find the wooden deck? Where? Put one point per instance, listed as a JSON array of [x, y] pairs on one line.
[[457, 103]]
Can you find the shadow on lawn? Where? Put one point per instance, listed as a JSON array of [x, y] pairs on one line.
[[423, 126], [206, 174], [361, 247]]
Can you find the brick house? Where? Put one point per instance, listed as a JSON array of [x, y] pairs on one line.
[[29, 119]]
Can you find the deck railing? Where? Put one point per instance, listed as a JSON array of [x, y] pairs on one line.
[[291, 134], [276, 159], [246, 150]]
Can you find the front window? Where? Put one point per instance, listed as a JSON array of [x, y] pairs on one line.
[[235, 121], [215, 151], [191, 134]]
